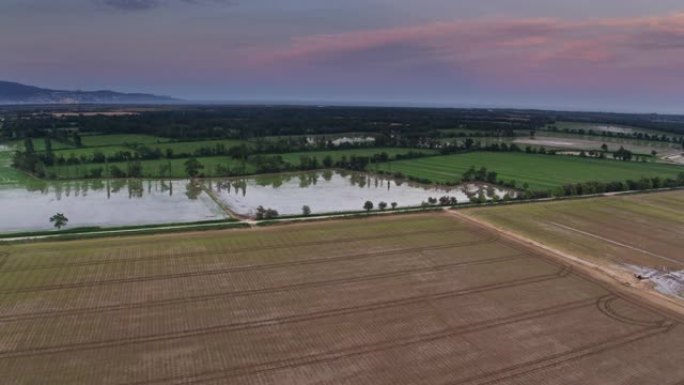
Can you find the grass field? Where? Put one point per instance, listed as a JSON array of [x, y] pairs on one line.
[[8, 174], [384, 301], [151, 168], [643, 229], [39, 144], [120, 139], [89, 151], [293, 157], [542, 172], [191, 147]]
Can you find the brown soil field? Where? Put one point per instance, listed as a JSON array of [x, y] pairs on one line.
[[625, 236], [643, 229], [412, 299]]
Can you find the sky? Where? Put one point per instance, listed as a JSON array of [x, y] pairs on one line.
[[599, 55]]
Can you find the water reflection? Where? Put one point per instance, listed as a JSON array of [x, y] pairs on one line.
[[120, 202], [334, 191], [104, 203]]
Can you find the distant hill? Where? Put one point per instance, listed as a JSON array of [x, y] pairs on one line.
[[16, 93]]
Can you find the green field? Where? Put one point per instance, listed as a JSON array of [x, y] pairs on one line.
[[191, 147], [109, 140], [151, 168], [293, 157], [39, 144], [89, 151], [9, 174], [541, 172]]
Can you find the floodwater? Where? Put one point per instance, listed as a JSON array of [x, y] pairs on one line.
[[104, 204], [330, 191], [112, 203]]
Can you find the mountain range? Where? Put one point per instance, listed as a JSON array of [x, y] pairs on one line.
[[17, 93]]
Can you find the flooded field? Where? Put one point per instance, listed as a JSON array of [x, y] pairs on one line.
[[668, 152], [29, 206], [331, 191]]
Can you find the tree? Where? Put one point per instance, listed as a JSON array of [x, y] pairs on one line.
[[604, 147], [59, 220], [306, 210], [368, 206], [193, 167], [28, 146], [264, 213], [134, 169], [271, 213], [394, 205], [382, 205]]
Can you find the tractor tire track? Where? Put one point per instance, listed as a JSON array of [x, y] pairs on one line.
[[115, 281], [605, 307], [556, 359], [205, 297], [90, 345], [562, 358], [168, 256]]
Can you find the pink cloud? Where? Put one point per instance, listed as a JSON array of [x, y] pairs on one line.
[[576, 53]]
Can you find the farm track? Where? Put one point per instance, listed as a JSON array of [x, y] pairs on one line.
[[149, 304], [508, 372], [116, 281], [234, 251]]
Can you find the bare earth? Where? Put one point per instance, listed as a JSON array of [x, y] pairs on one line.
[[622, 236], [420, 299]]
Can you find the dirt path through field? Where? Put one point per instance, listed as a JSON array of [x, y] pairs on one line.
[[612, 274]]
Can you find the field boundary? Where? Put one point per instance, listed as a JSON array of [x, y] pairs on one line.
[[611, 275], [616, 243]]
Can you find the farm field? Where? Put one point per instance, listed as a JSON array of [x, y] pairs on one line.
[[422, 299], [601, 127], [89, 151], [541, 172], [38, 144], [336, 155], [151, 168], [644, 230], [8, 174], [120, 139], [191, 147], [579, 142]]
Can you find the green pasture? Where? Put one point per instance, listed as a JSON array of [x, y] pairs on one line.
[[541, 172]]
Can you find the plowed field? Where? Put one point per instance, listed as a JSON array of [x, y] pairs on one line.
[[422, 299]]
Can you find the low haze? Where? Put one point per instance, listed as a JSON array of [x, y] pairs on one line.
[[623, 55]]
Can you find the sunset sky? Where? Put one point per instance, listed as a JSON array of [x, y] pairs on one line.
[[623, 55]]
